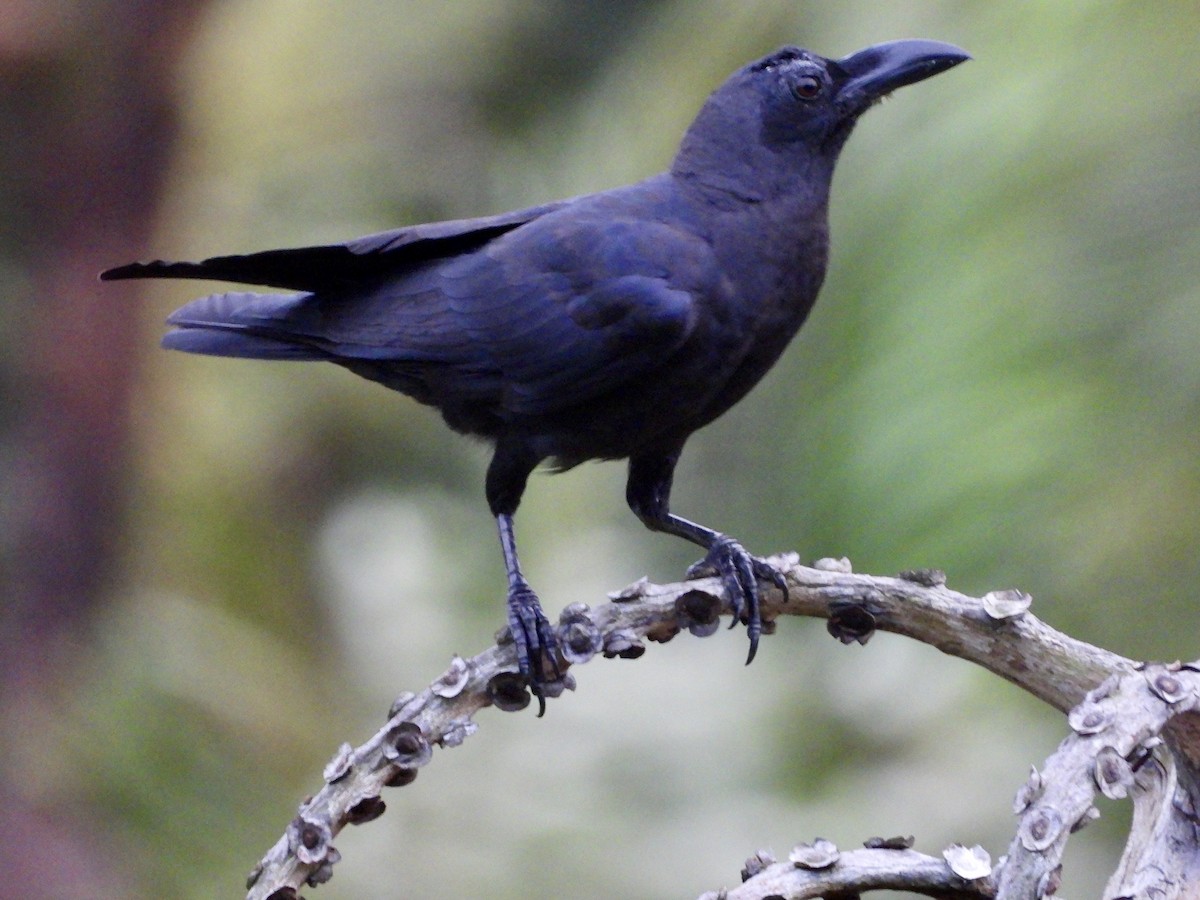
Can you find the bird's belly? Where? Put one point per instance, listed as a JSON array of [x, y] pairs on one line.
[[657, 411]]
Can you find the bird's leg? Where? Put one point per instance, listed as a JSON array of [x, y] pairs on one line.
[[531, 632], [530, 629], [648, 493]]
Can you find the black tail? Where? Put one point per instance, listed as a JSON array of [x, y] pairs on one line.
[[297, 269], [329, 266], [254, 326]]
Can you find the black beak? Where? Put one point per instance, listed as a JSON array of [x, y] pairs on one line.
[[879, 70]]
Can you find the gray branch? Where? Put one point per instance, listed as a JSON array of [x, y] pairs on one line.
[[853, 872], [1134, 732]]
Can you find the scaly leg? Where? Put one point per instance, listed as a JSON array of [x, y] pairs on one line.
[[530, 629], [648, 493], [534, 638]]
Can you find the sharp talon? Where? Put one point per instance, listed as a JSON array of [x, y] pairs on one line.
[[776, 578], [740, 573], [534, 640]]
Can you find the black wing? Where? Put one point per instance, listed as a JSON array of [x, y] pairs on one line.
[[542, 318], [336, 265]]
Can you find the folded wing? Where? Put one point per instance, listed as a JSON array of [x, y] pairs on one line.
[[525, 314]]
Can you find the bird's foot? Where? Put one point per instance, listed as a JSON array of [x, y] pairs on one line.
[[537, 648], [740, 573]]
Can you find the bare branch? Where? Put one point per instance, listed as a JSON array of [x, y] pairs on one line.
[[1123, 744], [856, 871], [994, 632]]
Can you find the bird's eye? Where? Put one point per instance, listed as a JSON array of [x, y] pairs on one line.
[[807, 87]]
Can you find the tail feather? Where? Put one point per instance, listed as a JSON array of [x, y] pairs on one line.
[[300, 268], [333, 265], [239, 309], [213, 342], [255, 326]]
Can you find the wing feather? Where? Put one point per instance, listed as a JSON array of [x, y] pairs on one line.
[[330, 266], [542, 310]]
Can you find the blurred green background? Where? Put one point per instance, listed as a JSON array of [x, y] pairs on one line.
[[216, 571]]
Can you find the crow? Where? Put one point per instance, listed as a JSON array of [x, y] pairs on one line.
[[606, 326]]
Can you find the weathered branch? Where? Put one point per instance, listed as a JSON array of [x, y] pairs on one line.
[[1132, 736], [820, 870], [995, 632]]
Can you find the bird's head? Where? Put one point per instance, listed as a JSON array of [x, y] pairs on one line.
[[796, 104]]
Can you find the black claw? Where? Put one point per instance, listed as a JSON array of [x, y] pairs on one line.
[[740, 573], [534, 639], [766, 572]]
